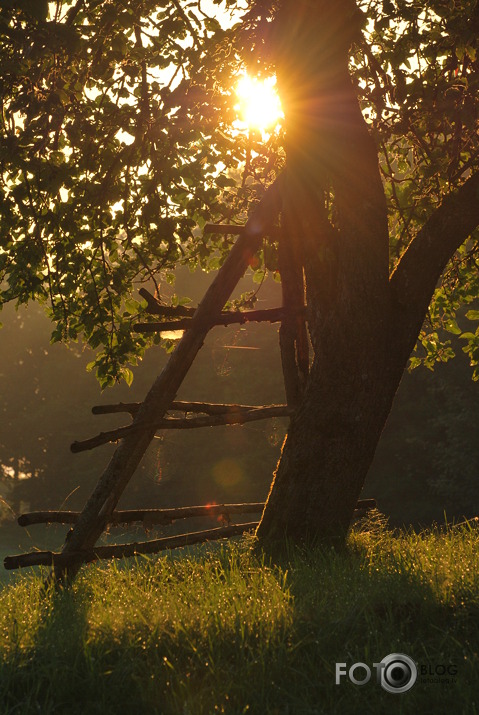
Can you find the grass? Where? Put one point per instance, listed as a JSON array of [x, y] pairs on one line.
[[220, 630]]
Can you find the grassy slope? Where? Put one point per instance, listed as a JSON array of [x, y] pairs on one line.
[[220, 631]]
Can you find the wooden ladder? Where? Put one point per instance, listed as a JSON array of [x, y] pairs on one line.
[[150, 415]]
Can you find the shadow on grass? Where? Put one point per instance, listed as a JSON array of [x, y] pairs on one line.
[[221, 631], [43, 673], [345, 613]]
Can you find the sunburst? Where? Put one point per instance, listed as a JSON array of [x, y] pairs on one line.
[[259, 105]]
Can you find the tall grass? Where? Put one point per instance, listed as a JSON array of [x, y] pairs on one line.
[[222, 630]]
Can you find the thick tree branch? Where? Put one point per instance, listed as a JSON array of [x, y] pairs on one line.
[[422, 264]]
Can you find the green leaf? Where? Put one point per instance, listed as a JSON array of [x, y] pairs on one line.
[[127, 375], [452, 327]]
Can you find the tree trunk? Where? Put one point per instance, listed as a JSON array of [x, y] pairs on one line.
[[330, 154], [329, 448], [363, 325], [359, 358]]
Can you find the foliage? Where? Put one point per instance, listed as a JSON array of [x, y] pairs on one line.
[[113, 127], [420, 82], [220, 630], [119, 144]]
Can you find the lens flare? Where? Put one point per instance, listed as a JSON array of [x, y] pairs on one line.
[[227, 473]]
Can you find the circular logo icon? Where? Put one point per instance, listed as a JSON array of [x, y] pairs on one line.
[[398, 673]]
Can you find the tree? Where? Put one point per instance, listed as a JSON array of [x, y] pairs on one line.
[[119, 145]]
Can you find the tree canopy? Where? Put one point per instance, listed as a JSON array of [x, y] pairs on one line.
[[119, 144]]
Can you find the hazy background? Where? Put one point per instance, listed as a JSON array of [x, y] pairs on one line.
[[427, 462]]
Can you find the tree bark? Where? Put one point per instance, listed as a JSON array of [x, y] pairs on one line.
[[327, 453]]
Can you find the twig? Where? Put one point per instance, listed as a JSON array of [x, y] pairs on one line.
[[209, 408], [468, 523], [187, 22], [73, 12]]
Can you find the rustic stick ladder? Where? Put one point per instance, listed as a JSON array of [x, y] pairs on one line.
[[150, 415]]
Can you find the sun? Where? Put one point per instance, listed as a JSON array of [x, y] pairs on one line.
[[259, 104]]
